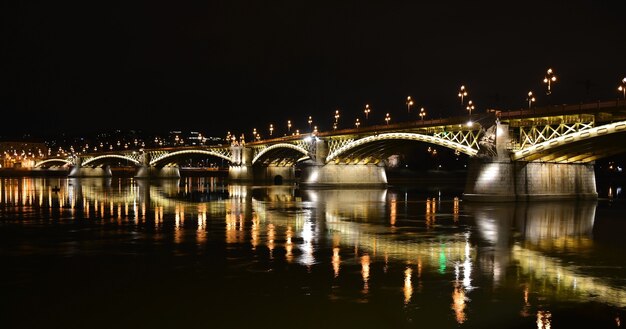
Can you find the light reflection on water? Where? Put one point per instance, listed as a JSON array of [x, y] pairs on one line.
[[414, 255]]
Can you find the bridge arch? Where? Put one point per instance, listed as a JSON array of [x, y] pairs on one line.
[[281, 146], [64, 161], [108, 156], [401, 136], [165, 157], [582, 146]]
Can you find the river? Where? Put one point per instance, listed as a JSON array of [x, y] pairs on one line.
[[199, 252]]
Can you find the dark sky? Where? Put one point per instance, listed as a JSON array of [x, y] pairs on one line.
[[216, 66]]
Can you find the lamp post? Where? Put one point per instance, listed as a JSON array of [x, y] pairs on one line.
[[367, 111], [549, 79], [357, 123], [254, 134], [409, 103], [336, 119], [271, 129], [462, 94], [531, 99], [422, 114], [622, 87], [310, 122], [387, 118], [288, 126], [470, 107]]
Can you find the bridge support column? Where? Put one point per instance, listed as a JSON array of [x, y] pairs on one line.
[[241, 164], [79, 171], [340, 174], [148, 171], [318, 172], [158, 172], [498, 178], [274, 174]]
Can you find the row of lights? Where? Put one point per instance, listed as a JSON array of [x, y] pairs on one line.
[[549, 79]]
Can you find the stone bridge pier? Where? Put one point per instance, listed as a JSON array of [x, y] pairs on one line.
[[318, 172], [150, 171], [496, 177], [88, 171], [242, 169]]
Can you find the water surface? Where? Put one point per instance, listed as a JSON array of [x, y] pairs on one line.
[[201, 253]]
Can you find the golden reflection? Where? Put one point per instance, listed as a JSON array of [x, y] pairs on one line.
[[393, 210], [158, 216], [455, 209], [419, 273], [431, 210], [201, 233], [336, 261], [408, 285], [365, 272], [178, 227], [271, 234], [289, 245], [458, 303], [526, 308], [254, 232], [544, 320]]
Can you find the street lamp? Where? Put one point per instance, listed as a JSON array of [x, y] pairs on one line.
[[367, 111], [622, 87], [387, 118], [310, 122], [409, 103], [422, 113], [288, 126], [357, 123], [254, 134], [462, 93], [548, 79], [336, 117], [271, 129], [530, 99], [470, 107]]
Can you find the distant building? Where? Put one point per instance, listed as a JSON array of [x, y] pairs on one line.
[[21, 154]]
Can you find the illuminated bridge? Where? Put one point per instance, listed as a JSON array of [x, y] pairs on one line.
[[545, 153]]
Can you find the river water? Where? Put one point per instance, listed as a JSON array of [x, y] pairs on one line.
[[198, 252]]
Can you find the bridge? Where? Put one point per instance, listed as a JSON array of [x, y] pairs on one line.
[[539, 153]]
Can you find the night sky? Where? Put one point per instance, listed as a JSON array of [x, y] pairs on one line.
[[218, 66]]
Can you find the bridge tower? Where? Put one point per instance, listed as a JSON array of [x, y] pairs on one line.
[[493, 176]]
